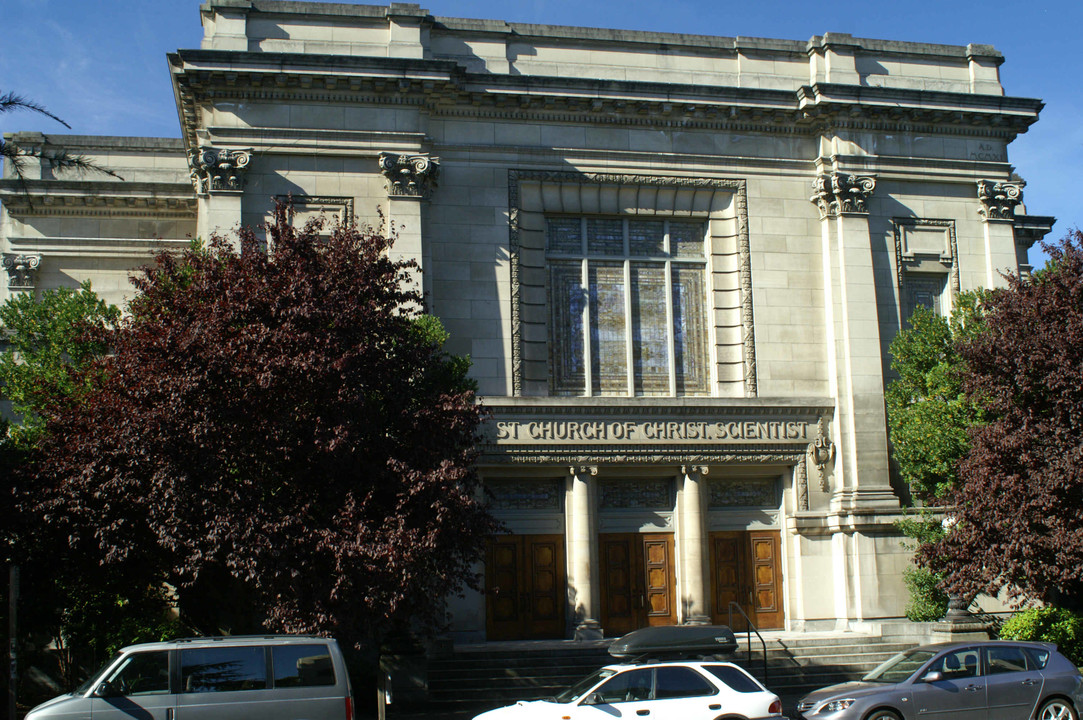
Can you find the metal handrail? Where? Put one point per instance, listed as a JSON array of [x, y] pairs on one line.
[[748, 635]]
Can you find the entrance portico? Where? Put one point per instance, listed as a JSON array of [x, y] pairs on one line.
[[663, 513]]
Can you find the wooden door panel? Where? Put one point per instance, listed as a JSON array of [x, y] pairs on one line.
[[524, 587], [746, 569], [658, 577], [766, 579], [637, 581]]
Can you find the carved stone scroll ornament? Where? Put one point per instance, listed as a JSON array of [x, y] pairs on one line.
[[409, 175], [841, 194], [21, 270], [801, 476], [821, 453], [998, 199], [219, 170]]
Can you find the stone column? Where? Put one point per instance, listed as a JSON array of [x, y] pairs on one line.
[[695, 595], [410, 180], [218, 175], [582, 541], [22, 273], [997, 210], [859, 428]]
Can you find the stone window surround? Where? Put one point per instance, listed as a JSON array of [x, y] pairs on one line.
[[609, 194], [907, 265]]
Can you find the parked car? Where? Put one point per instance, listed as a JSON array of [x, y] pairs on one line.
[[279, 677], [658, 682], [999, 680]]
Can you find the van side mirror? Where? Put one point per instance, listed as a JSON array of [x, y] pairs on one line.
[[933, 676], [105, 690], [594, 699]]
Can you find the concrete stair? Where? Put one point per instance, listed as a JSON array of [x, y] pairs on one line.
[[481, 677]]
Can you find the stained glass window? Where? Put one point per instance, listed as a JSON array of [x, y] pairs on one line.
[[628, 307]]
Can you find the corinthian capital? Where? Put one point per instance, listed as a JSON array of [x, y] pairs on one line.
[[998, 199], [219, 170], [409, 175], [841, 194]]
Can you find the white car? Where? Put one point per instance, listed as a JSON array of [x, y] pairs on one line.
[[683, 690]]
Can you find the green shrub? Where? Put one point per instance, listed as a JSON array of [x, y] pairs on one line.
[[1048, 624], [927, 600]]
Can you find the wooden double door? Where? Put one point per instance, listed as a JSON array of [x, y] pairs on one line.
[[525, 587], [746, 568], [637, 581]]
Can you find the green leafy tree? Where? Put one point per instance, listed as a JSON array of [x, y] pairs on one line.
[[1048, 624], [929, 416], [285, 424], [52, 342]]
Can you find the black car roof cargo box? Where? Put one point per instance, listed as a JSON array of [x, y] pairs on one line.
[[675, 641]]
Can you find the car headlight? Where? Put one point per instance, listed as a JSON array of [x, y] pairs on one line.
[[837, 705]]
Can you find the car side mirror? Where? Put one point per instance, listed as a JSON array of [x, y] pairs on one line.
[[594, 699], [105, 690], [932, 676]]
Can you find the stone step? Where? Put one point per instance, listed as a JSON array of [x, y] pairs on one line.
[[475, 678]]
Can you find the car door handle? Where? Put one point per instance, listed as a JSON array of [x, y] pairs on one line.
[[974, 688], [714, 706], [643, 712], [1028, 681]]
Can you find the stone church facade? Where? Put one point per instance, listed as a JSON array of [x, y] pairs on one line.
[[676, 262]]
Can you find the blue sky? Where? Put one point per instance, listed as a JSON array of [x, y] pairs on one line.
[[100, 64]]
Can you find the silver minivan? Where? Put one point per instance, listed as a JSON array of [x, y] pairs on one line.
[[274, 677]]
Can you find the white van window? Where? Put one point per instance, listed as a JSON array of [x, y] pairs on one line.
[[223, 669], [145, 673], [302, 665]]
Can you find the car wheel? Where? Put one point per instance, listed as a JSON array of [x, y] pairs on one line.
[[1056, 709], [883, 714]]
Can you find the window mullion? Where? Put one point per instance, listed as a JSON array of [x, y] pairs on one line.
[[670, 330], [629, 354], [588, 355]]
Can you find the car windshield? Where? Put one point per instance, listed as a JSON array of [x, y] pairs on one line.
[[577, 691], [900, 667], [89, 682]]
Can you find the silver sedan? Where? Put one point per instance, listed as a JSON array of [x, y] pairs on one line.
[[998, 680]]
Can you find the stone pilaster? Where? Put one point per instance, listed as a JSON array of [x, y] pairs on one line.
[[695, 595], [997, 202], [582, 554], [218, 175], [22, 272], [859, 429], [409, 180]]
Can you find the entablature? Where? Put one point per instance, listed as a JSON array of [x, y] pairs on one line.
[[87, 198]]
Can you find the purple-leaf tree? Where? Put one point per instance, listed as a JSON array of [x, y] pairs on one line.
[[1018, 504], [281, 420]]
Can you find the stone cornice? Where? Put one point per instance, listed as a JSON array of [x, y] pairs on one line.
[[444, 87], [88, 198]]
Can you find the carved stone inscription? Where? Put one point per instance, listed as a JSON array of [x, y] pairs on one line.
[[597, 432]]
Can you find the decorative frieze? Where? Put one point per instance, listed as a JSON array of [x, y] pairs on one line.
[[998, 199], [535, 495], [842, 194], [636, 494], [409, 176], [742, 492], [219, 170], [21, 270]]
